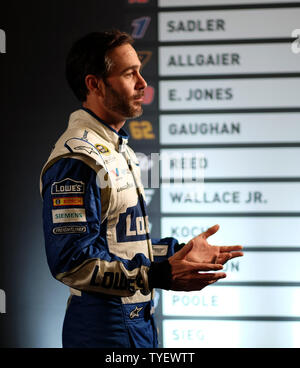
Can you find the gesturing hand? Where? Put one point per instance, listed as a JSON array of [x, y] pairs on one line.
[[201, 251], [185, 273]]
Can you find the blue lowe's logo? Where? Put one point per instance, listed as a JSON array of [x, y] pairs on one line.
[[132, 225]]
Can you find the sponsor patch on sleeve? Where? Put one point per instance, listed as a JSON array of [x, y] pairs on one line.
[[68, 215], [67, 201], [63, 230], [68, 186]]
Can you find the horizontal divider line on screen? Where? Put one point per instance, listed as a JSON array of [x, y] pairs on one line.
[[229, 180], [231, 214], [270, 249], [224, 42], [227, 7], [257, 283], [243, 110], [228, 76], [235, 318], [229, 145]]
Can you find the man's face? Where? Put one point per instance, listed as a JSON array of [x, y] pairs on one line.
[[124, 86]]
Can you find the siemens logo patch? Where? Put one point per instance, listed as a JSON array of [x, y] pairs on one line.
[[68, 186], [69, 215]]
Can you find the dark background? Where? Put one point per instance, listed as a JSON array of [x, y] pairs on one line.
[[35, 107]]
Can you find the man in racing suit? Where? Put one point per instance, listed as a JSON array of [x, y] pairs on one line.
[[95, 221]]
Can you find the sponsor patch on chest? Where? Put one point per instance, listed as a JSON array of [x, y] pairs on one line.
[[103, 149]]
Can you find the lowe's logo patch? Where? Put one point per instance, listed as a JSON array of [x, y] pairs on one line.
[[67, 186], [132, 225]]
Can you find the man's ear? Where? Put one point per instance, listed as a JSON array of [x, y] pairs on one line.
[[94, 85], [101, 87]]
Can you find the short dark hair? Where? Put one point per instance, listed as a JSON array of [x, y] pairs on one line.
[[88, 55]]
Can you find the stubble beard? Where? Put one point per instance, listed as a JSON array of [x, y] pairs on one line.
[[117, 103]]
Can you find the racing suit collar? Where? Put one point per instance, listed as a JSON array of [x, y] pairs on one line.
[[118, 139]]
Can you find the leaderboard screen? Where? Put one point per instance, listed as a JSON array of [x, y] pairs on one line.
[[223, 102]]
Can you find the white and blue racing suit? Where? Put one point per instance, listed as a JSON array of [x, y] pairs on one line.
[[97, 237]]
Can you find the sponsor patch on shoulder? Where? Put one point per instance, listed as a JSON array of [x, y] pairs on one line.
[[81, 144], [67, 186], [69, 230], [67, 201], [88, 149], [69, 215], [102, 149]]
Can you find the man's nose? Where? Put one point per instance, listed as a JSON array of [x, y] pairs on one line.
[[141, 83]]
